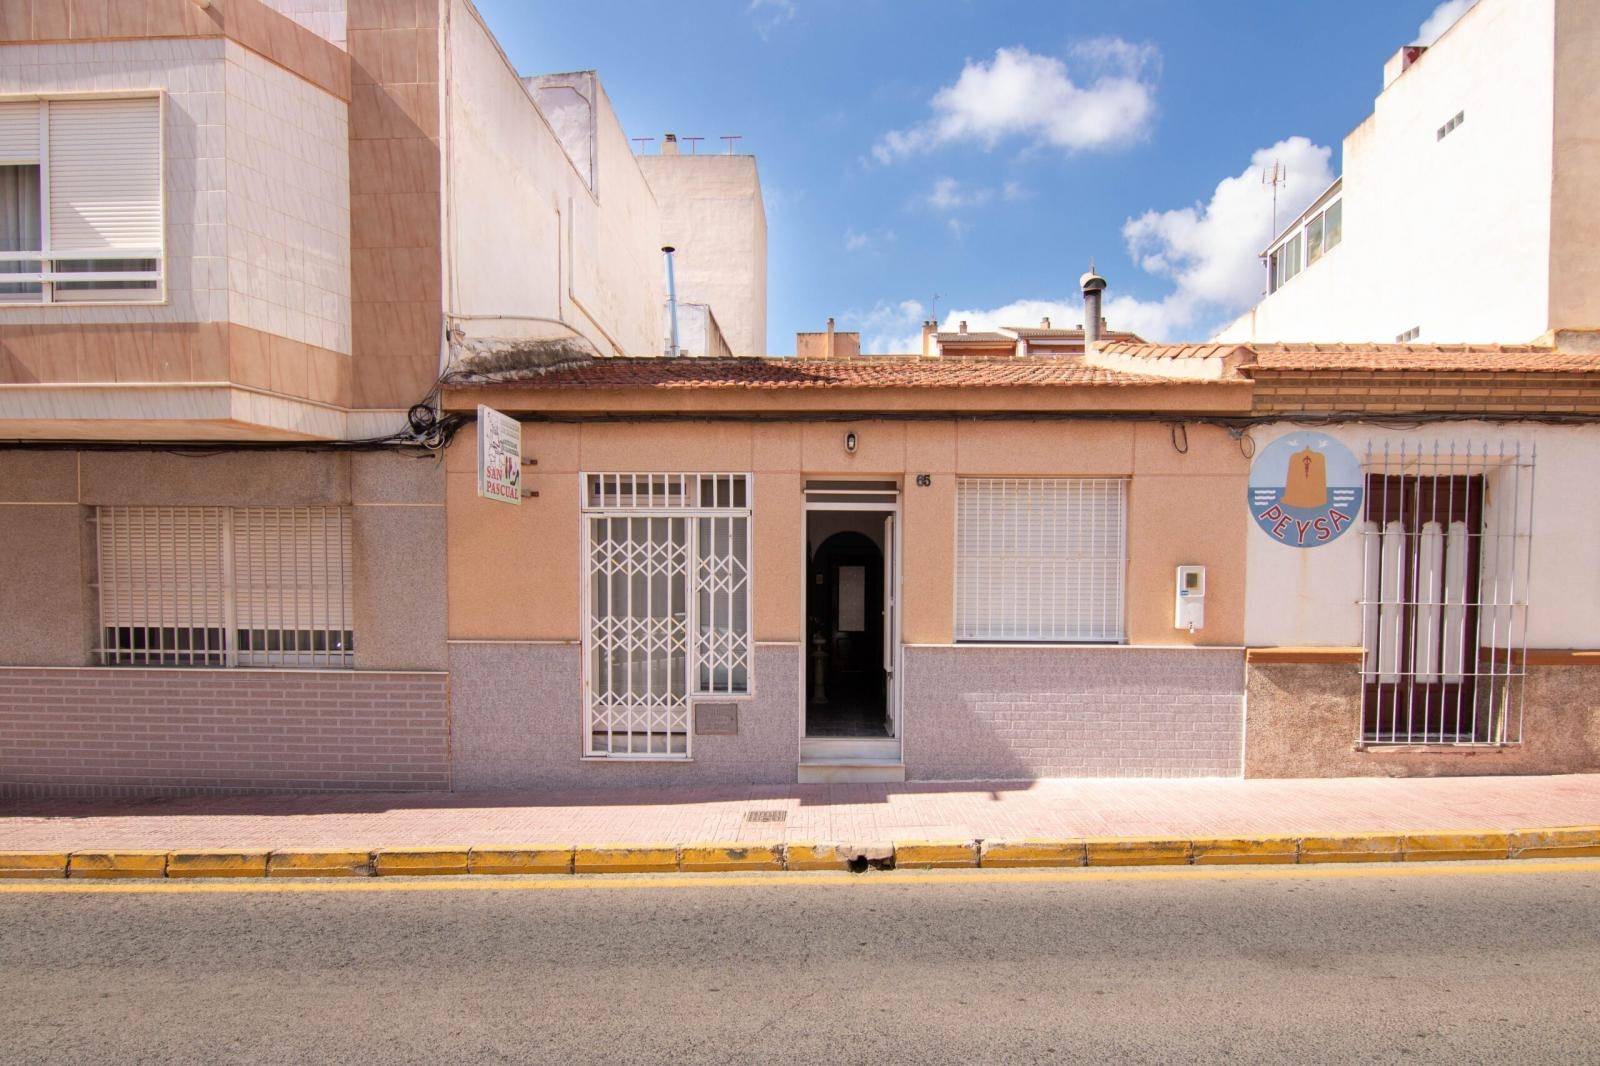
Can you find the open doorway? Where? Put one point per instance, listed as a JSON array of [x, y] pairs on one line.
[[848, 675]]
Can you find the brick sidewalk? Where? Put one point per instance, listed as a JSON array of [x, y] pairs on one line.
[[856, 814]]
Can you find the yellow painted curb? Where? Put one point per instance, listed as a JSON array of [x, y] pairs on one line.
[[117, 864], [419, 862], [1126, 851], [817, 857], [1568, 843], [714, 857], [1245, 850], [624, 860], [1003, 854], [1472, 844], [217, 864], [1353, 847], [935, 855], [532, 859], [309, 863], [32, 864]]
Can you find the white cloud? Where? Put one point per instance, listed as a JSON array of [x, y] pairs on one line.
[[1208, 251], [1020, 94], [1015, 190], [1444, 16], [768, 15], [855, 241], [948, 194], [889, 328]]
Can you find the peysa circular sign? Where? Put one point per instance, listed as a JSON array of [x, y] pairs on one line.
[[1305, 489]]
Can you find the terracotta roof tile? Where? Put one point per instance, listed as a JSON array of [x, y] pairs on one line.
[[1173, 351], [1525, 358], [864, 372]]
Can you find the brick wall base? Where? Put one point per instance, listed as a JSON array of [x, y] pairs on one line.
[[1018, 713], [115, 731]]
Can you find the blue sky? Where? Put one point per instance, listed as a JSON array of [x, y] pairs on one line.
[[985, 151]]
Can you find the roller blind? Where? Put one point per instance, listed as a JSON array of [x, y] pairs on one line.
[[162, 585], [105, 175], [19, 133], [291, 569], [1040, 559]]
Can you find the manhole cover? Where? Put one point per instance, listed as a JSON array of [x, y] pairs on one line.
[[766, 816]]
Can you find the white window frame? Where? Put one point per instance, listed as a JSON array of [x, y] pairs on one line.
[[46, 256], [1025, 625], [229, 598], [607, 494]]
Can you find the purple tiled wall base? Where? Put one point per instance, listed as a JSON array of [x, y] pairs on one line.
[[106, 732], [1017, 713]]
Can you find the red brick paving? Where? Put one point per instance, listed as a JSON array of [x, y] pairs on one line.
[[857, 814]]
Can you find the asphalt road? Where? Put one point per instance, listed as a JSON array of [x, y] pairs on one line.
[[1457, 963]]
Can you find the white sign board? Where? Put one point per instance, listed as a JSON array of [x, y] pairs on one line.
[[499, 456]]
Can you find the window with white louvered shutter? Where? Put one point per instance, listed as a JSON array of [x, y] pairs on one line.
[[81, 188], [221, 586], [1040, 559]]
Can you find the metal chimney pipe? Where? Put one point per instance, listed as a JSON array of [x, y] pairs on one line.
[[672, 297], [1092, 285]]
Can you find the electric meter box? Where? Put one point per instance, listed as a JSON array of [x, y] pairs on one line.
[[1189, 604]]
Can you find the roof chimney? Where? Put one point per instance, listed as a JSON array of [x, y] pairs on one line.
[[1401, 61], [1092, 285], [1044, 323], [669, 144], [830, 336], [963, 326], [930, 337]]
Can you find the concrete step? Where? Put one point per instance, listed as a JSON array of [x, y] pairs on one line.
[[851, 771], [860, 749]]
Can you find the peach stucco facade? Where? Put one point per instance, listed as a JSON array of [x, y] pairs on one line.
[[513, 571]]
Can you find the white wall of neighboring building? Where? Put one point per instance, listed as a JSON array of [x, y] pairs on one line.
[[713, 213], [1309, 597], [526, 238], [1452, 235], [256, 181]]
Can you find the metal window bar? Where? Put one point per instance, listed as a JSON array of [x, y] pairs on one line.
[[1447, 531], [667, 604], [1041, 560], [217, 586]]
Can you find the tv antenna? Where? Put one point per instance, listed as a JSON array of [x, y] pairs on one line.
[[694, 144], [731, 138], [641, 142], [1275, 176]]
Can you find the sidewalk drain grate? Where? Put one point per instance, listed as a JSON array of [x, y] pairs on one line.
[[766, 816]]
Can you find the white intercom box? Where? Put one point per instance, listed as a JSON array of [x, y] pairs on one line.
[[1189, 605]]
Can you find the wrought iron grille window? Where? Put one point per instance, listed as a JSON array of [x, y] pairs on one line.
[[1447, 548], [1041, 559], [667, 605], [225, 586]]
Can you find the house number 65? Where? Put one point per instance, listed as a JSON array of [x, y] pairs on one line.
[[924, 480]]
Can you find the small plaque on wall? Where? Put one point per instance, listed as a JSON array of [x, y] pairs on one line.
[[716, 719]]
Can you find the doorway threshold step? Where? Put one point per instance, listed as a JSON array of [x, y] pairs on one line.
[[851, 771], [853, 749]]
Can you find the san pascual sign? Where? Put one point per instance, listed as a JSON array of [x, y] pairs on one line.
[[1305, 489], [499, 456]]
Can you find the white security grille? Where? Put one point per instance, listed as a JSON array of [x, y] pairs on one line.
[[667, 603], [220, 586], [1447, 538], [1040, 559]]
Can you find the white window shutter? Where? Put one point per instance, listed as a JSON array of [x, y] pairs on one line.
[[161, 584], [105, 175], [1040, 559], [19, 133], [292, 575]]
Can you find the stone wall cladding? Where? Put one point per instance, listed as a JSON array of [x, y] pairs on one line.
[[517, 711], [1303, 720], [1018, 713], [118, 731]]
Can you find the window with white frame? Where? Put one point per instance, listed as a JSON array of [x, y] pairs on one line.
[[1041, 559], [667, 606], [225, 586], [1310, 243], [80, 200]]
